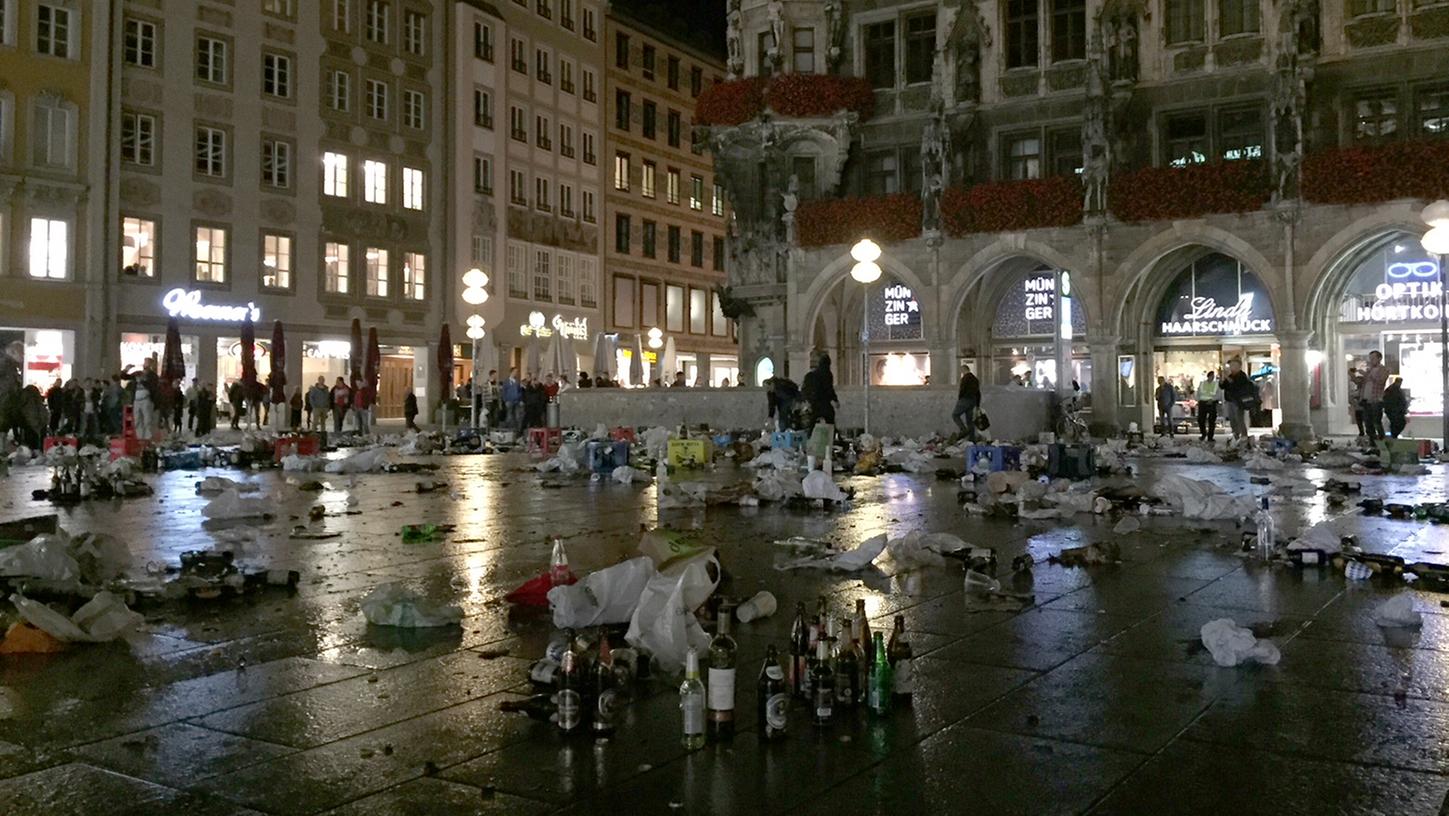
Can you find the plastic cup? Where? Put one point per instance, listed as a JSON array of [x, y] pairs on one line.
[[763, 605]]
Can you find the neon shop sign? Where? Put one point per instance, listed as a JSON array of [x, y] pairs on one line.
[[1207, 317], [187, 303], [1410, 291]]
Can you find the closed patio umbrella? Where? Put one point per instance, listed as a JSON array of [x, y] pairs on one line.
[[445, 370], [636, 363], [372, 369], [533, 361], [278, 375], [173, 363], [667, 362], [355, 354]]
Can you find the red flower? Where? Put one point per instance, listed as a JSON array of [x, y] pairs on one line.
[[795, 95], [895, 217], [1170, 193], [1373, 173], [730, 103], [1008, 206]]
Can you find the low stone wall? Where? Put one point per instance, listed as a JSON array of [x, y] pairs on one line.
[[1015, 412]]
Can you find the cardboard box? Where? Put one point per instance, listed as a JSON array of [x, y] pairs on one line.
[[688, 452]]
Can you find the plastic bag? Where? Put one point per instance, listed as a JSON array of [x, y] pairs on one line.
[[818, 485], [396, 605], [664, 625], [303, 464], [368, 461], [232, 505], [47, 557], [1231, 644], [606, 596], [656, 442], [626, 475], [858, 558], [822, 439], [1399, 611], [103, 618], [534, 591], [695, 564]]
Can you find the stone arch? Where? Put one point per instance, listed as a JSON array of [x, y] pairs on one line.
[[1337, 258], [1014, 252], [813, 299]]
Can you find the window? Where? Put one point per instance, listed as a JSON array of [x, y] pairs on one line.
[[716, 202], [590, 157], [1376, 117], [483, 175], [482, 108], [1023, 157], [412, 188], [281, 8], [1359, 8], [566, 140], [589, 217], [334, 174], [566, 200], [649, 238], [377, 99], [517, 55], [541, 63], [566, 76], [339, 91], [542, 275], [650, 121], [696, 248], [138, 247], [414, 276], [52, 31], [483, 252], [671, 186], [413, 113], [545, 9], [1240, 134], [675, 125], [565, 277], [802, 48], [621, 51], [880, 173], [646, 59], [623, 301], [211, 60], [415, 32], [911, 172], [696, 193], [7, 23], [276, 261], [542, 191], [920, 47], [377, 14], [49, 248], [518, 187], [621, 233], [210, 151], [517, 123], [621, 172], [720, 326], [591, 32], [646, 179], [590, 94], [543, 132], [696, 81], [674, 308], [342, 17], [138, 138], [566, 14], [675, 242], [139, 43], [588, 282], [1066, 151], [374, 182], [1186, 140], [672, 73], [376, 272], [1432, 110], [517, 260], [880, 54], [276, 75], [483, 42], [621, 110], [210, 255], [719, 254], [1069, 30], [335, 262], [1238, 17], [698, 310], [276, 163], [1185, 21], [1021, 33]]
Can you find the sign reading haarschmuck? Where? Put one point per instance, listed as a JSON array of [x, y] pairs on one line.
[[1207, 316]]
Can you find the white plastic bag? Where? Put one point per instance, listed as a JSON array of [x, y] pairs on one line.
[[818, 485], [368, 461], [626, 475], [232, 505], [664, 625], [1399, 611], [103, 618], [46, 557], [1231, 644], [396, 605], [850, 561], [606, 596]]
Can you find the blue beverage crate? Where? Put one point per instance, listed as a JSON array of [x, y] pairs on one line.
[[1001, 457], [787, 439], [604, 456]]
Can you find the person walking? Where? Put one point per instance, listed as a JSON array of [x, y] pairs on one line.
[[362, 406], [1242, 396], [410, 410], [236, 396], [1207, 407], [1166, 398], [341, 401], [205, 410], [191, 392], [143, 403], [1396, 407], [535, 403], [513, 401], [90, 409], [111, 403], [968, 399], [295, 403], [1375, 380], [55, 406], [318, 398], [819, 390], [1355, 400]]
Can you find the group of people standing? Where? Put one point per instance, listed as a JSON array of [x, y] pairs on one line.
[[1375, 395], [1234, 393]]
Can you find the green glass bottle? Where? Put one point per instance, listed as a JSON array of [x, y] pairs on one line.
[[882, 679]]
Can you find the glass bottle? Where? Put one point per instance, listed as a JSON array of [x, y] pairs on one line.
[[823, 684], [722, 679], [606, 695], [1267, 531], [773, 698], [864, 623], [847, 669], [799, 652], [881, 680], [901, 658], [558, 563], [570, 692], [691, 702]]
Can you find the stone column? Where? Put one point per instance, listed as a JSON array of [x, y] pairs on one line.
[[1293, 383], [1105, 392]]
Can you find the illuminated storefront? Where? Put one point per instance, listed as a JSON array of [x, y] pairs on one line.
[[137, 348], [1024, 333], [898, 355], [49, 354]]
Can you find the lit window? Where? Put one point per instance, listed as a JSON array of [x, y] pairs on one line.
[[210, 255], [621, 172], [542, 275], [139, 43], [52, 30], [671, 191], [49, 248], [279, 7], [376, 272], [334, 174], [374, 182], [138, 248], [414, 275], [210, 151], [716, 204], [335, 257], [211, 60], [277, 75], [517, 259], [342, 16], [588, 282], [138, 138], [646, 180], [696, 193], [412, 179], [565, 278], [276, 261], [276, 163]]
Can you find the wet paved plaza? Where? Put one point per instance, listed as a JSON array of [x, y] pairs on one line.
[[1095, 700]]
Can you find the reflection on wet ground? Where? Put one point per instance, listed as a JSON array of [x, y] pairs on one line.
[[1094, 700]]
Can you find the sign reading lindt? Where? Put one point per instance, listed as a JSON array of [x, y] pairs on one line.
[[1207, 317]]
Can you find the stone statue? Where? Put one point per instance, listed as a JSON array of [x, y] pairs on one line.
[[1288, 104], [935, 167], [789, 200], [1096, 145], [1300, 18], [1118, 24], [776, 13], [943, 68], [736, 61], [961, 52], [834, 34]]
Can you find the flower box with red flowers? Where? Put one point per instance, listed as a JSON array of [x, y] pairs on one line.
[[1368, 174], [1171, 193], [1008, 206], [883, 218], [790, 95]]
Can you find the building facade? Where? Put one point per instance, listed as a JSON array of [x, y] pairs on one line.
[[52, 182], [665, 252], [1203, 181], [527, 82]]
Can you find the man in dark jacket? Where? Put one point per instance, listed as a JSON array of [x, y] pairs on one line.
[[535, 403], [1240, 392], [236, 395], [1166, 398], [1396, 406], [968, 399], [781, 394], [819, 391]]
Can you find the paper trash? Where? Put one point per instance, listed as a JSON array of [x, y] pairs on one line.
[[1231, 644], [396, 605], [1399, 611], [1201, 499], [856, 559], [103, 618], [626, 475], [605, 596]]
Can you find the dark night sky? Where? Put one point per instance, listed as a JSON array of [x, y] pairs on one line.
[[699, 22]]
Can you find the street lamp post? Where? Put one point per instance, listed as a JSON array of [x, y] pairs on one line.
[[865, 272], [1436, 243], [474, 294]]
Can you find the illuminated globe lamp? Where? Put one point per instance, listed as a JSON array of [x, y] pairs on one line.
[[475, 294], [535, 320], [656, 338], [865, 272], [475, 327]]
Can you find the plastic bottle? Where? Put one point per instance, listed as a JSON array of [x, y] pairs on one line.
[[1267, 532], [558, 565]]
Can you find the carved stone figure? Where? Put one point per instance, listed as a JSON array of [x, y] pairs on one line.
[[935, 167], [789, 200], [968, 36], [1096, 144], [943, 68], [776, 14], [834, 34], [1117, 23], [1289, 102], [736, 62], [1300, 18]]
